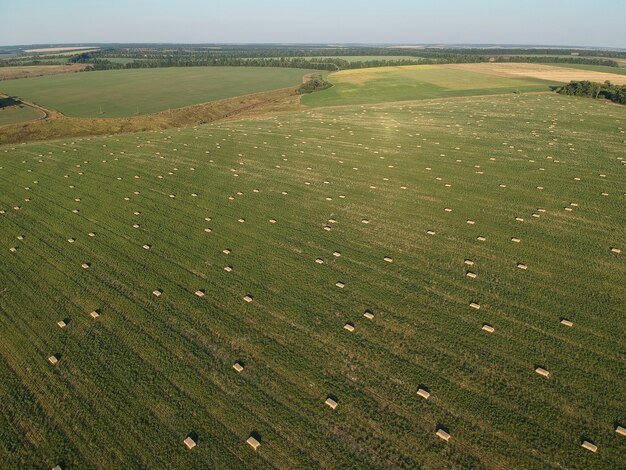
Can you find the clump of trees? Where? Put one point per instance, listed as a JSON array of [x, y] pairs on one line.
[[8, 101], [315, 83], [615, 93]]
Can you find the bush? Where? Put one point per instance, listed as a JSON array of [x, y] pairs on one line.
[[615, 93], [315, 83]]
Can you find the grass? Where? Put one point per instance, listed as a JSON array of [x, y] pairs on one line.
[[121, 93], [18, 114], [413, 82], [131, 385]]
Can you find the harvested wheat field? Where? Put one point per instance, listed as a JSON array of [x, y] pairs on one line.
[[26, 71], [145, 372], [549, 73]]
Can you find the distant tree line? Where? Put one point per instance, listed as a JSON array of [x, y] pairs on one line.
[[321, 58], [615, 93]]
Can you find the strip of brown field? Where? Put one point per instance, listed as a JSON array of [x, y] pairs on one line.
[[60, 49], [56, 125], [26, 71], [541, 72]]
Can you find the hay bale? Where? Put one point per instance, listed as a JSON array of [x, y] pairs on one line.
[[57, 467], [53, 360], [567, 323], [471, 222], [92, 234], [200, 293], [242, 221], [253, 442], [349, 327], [620, 430], [369, 315], [474, 305], [341, 285], [226, 251], [471, 275], [488, 328], [135, 225], [13, 249], [336, 254], [332, 404], [157, 292], [189, 443], [272, 221], [85, 265], [522, 266], [469, 262], [515, 240], [147, 247], [208, 230], [541, 371], [519, 219], [480, 238], [61, 324], [319, 261], [228, 269], [71, 240], [248, 298], [388, 259], [95, 314], [430, 232], [441, 434], [617, 251], [589, 446], [425, 394], [238, 367]]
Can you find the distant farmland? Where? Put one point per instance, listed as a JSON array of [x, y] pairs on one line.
[[414, 82], [413, 225], [120, 93]]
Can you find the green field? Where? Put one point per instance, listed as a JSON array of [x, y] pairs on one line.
[[122, 60], [595, 68], [119, 93], [131, 384], [359, 58], [16, 114], [366, 58], [413, 82]]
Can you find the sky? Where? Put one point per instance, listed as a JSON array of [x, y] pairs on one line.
[[597, 23]]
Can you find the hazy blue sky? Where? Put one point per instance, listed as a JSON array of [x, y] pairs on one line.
[[558, 22]]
